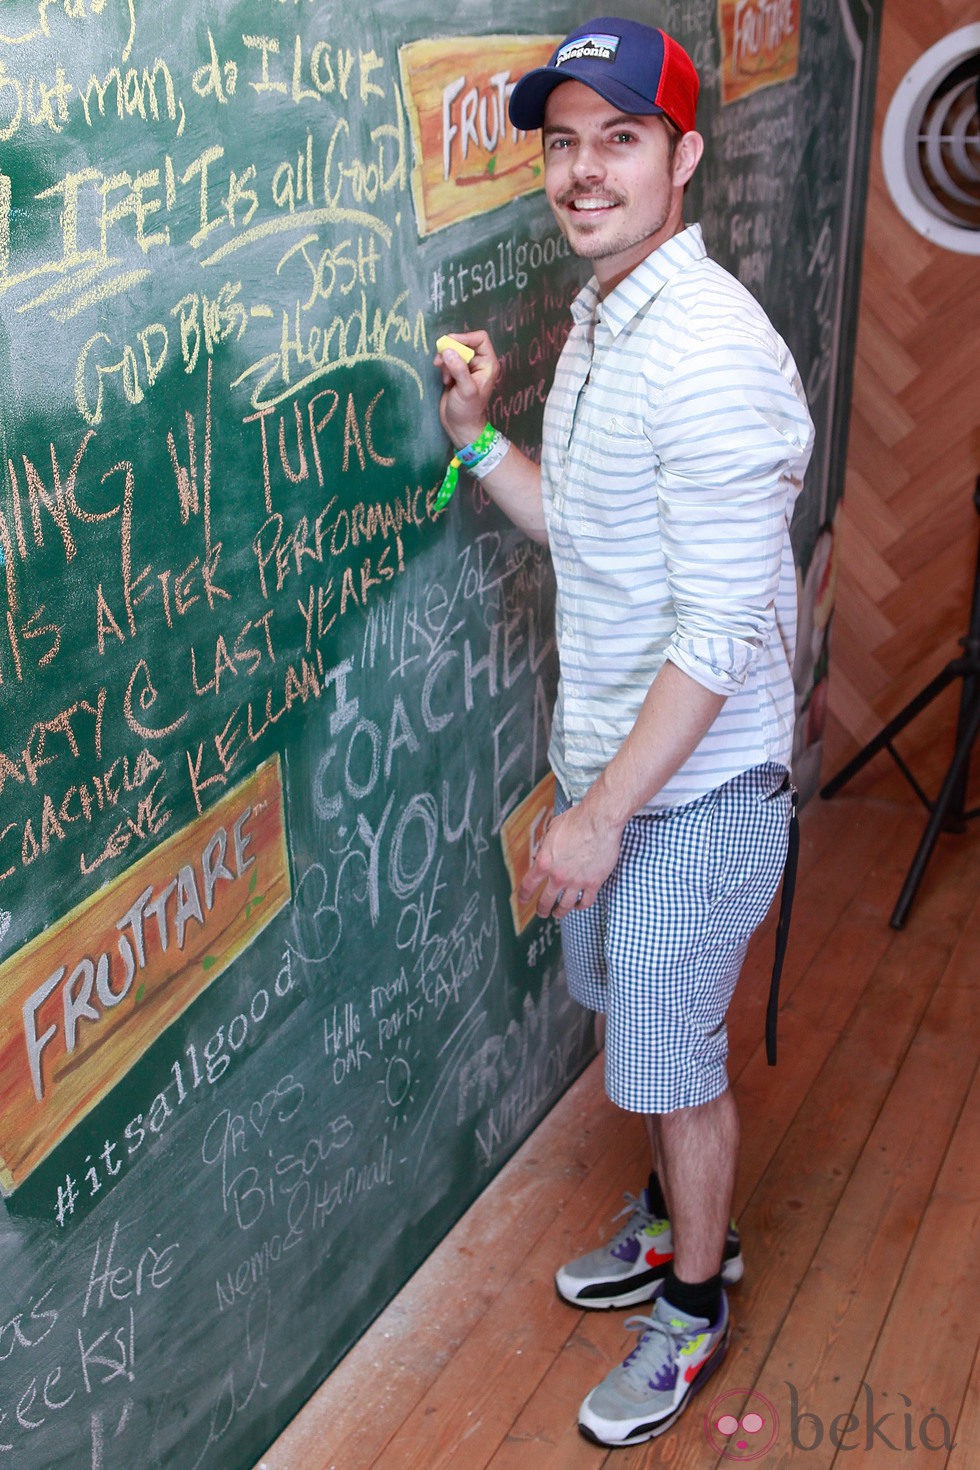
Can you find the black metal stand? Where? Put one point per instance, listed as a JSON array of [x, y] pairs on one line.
[[947, 812]]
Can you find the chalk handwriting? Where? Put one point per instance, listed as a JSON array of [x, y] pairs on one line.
[[110, 1280], [89, 1345], [202, 1063], [240, 1381], [27, 1327], [84, 11]]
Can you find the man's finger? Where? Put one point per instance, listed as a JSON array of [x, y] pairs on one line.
[[531, 883]]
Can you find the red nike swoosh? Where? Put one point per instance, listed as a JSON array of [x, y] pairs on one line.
[[654, 1258]]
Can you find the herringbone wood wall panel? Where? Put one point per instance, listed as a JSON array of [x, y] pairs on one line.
[[908, 527]]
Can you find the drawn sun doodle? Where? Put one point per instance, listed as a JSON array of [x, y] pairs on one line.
[[398, 1082]]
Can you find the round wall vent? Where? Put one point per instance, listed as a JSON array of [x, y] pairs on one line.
[[931, 143]]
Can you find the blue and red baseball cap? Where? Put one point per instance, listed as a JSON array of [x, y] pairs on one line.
[[637, 68]]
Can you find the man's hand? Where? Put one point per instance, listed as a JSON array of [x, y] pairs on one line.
[[468, 386], [575, 858], [515, 483]]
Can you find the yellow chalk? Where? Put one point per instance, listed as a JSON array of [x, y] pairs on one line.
[[466, 353]]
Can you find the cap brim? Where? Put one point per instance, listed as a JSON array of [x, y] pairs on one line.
[[528, 99]]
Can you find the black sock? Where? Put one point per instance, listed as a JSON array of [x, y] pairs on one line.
[[696, 1298], [655, 1197]]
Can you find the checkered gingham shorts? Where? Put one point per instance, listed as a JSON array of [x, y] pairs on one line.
[[661, 948]]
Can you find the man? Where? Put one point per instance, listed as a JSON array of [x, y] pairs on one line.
[[675, 439]]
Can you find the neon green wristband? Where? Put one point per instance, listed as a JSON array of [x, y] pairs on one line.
[[468, 456]]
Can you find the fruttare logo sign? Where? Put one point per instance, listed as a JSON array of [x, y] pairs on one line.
[[521, 836], [469, 156], [83, 1001], [760, 44]]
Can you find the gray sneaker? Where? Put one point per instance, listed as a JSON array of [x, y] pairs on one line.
[[631, 1267], [646, 1394]]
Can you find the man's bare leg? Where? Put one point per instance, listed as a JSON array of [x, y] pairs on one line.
[[694, 1152]]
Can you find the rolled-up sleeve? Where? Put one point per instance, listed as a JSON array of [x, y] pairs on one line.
[[733, 436]]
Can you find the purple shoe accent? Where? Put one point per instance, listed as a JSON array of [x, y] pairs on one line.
[[628, 1250], [666, 1378]]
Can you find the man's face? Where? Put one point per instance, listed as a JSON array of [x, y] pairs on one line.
[[609, 180]]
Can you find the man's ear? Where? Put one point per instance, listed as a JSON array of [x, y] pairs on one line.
[[687, 156]]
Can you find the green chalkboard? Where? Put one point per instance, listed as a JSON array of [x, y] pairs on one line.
[[273, 731]]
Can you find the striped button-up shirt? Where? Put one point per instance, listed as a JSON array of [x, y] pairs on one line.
[[675, 439]]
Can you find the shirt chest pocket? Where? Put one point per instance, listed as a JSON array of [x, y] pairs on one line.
[[616, 468]]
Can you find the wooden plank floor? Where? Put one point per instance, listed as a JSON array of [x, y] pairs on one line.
[[857, 1199]]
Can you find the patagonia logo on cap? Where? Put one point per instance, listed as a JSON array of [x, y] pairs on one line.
[[592, 48]]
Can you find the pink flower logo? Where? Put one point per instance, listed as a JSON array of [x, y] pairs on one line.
[[742, 1425]]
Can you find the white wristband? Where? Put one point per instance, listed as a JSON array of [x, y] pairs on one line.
[[491, 459]]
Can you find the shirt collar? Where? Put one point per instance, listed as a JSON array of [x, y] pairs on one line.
[[643, 283]]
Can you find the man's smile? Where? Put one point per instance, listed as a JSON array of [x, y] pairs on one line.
[[589, 203]]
